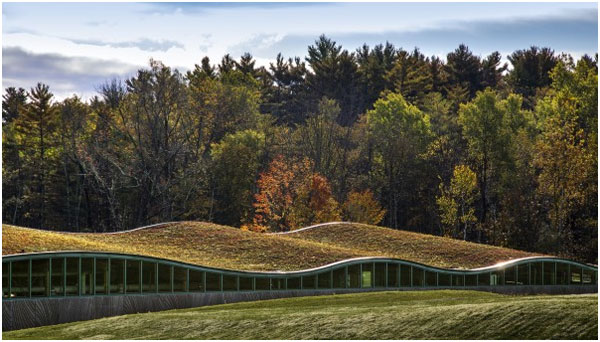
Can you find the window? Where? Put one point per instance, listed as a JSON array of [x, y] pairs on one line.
[[418, 276], [353, 280], [575, 275], [405, 276], [245, 284], [196, 281], [213, 281], [430, 278], [367, 275], [380, 274], [497, 277], [148, 276], [117, 267], [87, 276], [58, 280], [510, 276], [444, 279], [72, 276], [133, 276], [164, 278], [549, 273], [392, 278], [339, 278], [471, 280], [229, 283], [40, 278], [483, 279], [20, 278], [588, 277], [458, 280], [562, 273], [536, 273], [324, 280], [309, 282], [101, 276], [523, 275], [278, 284], [180, 279], [294, 283], [262, 283], [5, 271]]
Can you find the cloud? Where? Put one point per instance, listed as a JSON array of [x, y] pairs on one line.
[[142, 44], [575, 31], [202, 7], [65, 75]]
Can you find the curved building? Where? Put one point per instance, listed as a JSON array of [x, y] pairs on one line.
[[58, 287]]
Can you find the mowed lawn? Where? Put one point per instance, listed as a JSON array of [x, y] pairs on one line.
[[444, 314]]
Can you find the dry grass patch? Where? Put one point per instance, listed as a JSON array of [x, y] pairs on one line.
[[226, 247]]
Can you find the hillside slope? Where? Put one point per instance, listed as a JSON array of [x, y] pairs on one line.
[[440, 314], [226, 247]]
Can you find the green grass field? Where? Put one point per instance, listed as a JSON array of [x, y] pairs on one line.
[[445, 314]]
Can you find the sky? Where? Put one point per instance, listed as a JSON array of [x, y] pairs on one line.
[[76, 47]]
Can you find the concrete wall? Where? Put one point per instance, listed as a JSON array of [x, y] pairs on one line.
[[28, 313]]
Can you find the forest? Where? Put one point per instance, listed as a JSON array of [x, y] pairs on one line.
[[466, 147]]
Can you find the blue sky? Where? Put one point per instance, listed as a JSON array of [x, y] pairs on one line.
[[75, 47]]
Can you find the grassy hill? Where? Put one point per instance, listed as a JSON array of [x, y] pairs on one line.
[[384, 315], [226, 247]]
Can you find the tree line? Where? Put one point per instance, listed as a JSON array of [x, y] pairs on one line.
[[463, 147]]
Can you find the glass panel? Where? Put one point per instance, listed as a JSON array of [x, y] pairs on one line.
[[40, 278], [353, 280], [379, 274], [148, 276], [339, 278], [471, 280], [20, 278], [458, 280], [444, 279], [405, 275], [367, 275], [483, 279], [263, 283], [497, 278], [164, 278], [180, 279], [417, 276], [245, 284], [5, 270], [116, 276], [101, 275], [392, 279], [430, 278], [309, 282], [133, 276], [575, 275], [324, 280], [536, 273], [87, 276], [510, 276], [229, 283], [523, 274], [588, 277], [278, 284], [562, 273], [197, 281], [58, 279], [548, 273], [213, 281], [72, 276], [293, 283]]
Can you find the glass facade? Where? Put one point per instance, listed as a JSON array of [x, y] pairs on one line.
[[69, 274]]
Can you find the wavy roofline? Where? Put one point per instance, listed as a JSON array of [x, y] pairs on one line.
[[308, 270]]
